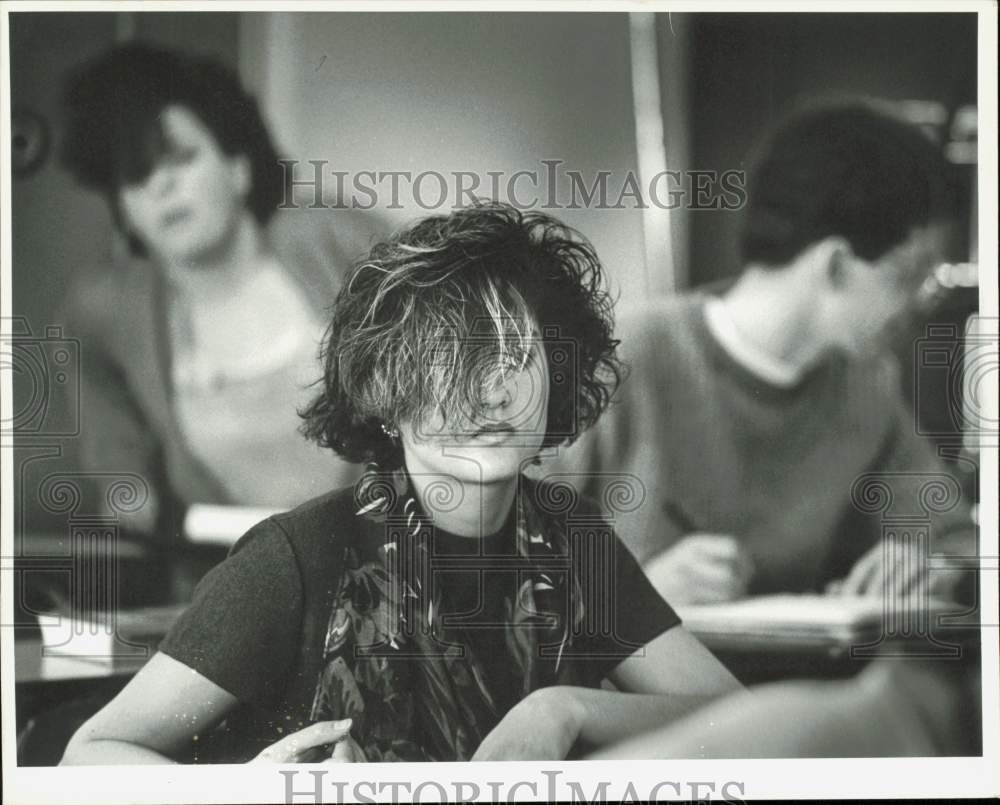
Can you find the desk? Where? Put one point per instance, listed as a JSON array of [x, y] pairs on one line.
[[56, 694], [57, 691], [811, 636], [53, 571], [33, 666], [49, 567]]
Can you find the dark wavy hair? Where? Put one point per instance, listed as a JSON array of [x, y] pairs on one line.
[[113, 133], [849, 167], [410, 329]]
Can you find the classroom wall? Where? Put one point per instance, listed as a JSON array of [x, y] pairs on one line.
[[746, 69], [457, 92]]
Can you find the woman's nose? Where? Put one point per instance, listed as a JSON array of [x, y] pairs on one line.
[[500, 396], [161, 181]]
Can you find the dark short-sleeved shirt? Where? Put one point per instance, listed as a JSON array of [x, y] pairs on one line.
[[257, 624]]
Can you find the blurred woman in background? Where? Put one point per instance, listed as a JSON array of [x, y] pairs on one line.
[[197, 347]]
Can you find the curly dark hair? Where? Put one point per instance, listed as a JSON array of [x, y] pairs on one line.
[[113, 135], [843, 166], [409, 329]]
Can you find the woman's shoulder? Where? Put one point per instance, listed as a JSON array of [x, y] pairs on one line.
[[291, 550], [97, 296], [321, 519], [321, 246]]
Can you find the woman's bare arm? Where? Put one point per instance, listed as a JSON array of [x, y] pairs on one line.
[[672, 677], [674, 663], [153, 718], [157, 715]]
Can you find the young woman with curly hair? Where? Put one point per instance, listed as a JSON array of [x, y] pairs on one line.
[[446, 607]]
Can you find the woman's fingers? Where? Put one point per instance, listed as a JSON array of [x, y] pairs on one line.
[[343, 751], [290, 748], [347, 751]]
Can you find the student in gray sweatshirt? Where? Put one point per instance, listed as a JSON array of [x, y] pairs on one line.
[[761, 431]]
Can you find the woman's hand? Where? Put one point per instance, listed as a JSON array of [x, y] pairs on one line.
[[542, 726], [311, 745]]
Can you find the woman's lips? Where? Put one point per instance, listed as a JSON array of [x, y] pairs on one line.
[[174, 217], [495, 432]]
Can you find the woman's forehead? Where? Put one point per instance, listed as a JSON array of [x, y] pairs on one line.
[[181, 126], [172, 129]]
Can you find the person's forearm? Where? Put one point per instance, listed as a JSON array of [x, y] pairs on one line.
[[110, 753], [601, 717]]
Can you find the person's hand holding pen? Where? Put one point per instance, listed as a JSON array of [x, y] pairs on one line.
[[701, 567]]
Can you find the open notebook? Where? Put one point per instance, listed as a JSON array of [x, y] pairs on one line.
[[808, 620], [107, 638], [135, 633]]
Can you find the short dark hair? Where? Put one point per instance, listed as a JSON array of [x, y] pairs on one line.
[[406, 329], [849, 168], [113, 134]]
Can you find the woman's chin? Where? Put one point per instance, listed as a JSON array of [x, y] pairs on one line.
[[478, 462]]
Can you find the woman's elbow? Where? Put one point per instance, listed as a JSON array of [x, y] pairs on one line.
[[89, 746], [78, 751]]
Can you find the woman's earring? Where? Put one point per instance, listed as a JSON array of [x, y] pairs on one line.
[[391, 431]]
